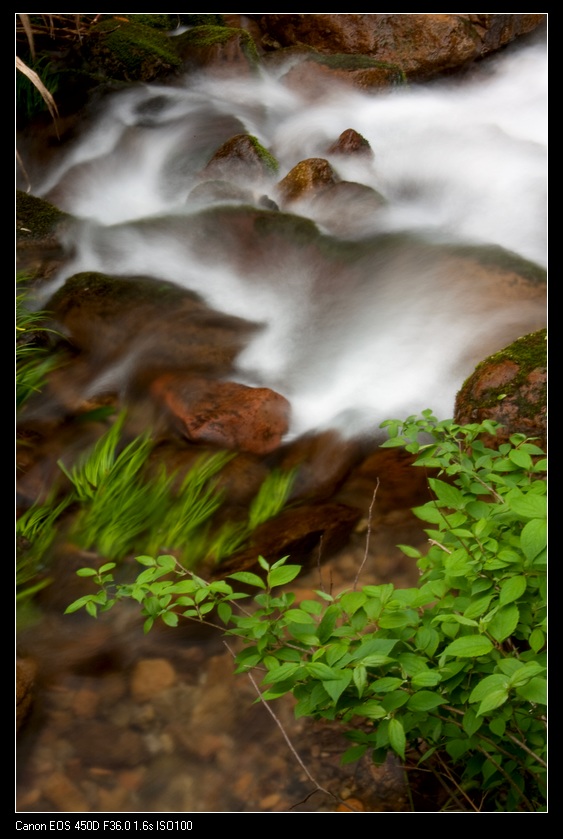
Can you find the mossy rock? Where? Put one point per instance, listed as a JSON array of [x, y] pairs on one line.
[[126, 50], [509, 387], [201, 20], [36, 219], [198, 43]]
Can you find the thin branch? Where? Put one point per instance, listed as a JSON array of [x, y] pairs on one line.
[[319, 554], [368, 536], [526, 749], [284, 733]]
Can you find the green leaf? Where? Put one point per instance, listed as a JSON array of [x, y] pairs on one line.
[[512, 588], [408, 551], [535, 691], [336, 687], [353, 754], [282, 575], [86, 572], [425, 700], [281, 673], [536, 640], [531, 505], [504, 622], [471, 722], [360, 679], [327, 624], [248, 578], [493, 700], [225, 612], [170, 619], [318, 670], [521, 459], [397, 737], [533, 538], [426, 679], [469, 646], [351, 601], [495, 682], [371, 709], [448, 495]]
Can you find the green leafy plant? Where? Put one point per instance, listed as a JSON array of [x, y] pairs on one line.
[[34, 357], [450, 675]]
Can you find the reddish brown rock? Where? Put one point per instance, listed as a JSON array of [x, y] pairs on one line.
[[240, 159], [300, 533], [150, 677], [422, 44], [221, 51], [25, 677], [510, 388], [312, 77], [306, 179], [227, 414], [350, 142]]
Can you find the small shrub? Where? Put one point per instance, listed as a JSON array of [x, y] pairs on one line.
[[450, 673]]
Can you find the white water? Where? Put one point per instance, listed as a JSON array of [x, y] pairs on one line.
[[458, 161]]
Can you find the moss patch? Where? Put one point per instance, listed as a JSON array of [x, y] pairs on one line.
[[344, 61], [35, 218], [210, 36], [266, 157], [131, 51]]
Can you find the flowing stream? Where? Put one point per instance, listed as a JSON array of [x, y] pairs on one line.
[[372, 334], [460, 161]]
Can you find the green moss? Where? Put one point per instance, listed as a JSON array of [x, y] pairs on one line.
[[208, 36], [163, 22], [202, 20], [499, 257], [131, 50], [530, 353], [35, 218], [344, 61], [266, 157], [108, 291]]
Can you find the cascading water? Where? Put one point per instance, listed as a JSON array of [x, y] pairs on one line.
[[372, 314], [355, 340]]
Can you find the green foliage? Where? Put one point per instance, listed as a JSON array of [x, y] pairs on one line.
[[119, 505], [451, 672], [34, 357]]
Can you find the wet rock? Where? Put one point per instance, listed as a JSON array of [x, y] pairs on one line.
[[227, 414], [351, 143], [241, 159], [127, 50], [509, 387], [64, 794], [40, 236], [306, 179], [422, 44], [313, 74], [25, 679], [220, 50], [219, 192], [150, 677], [299, 533], [322, 461], [141, 326], [101, 743]]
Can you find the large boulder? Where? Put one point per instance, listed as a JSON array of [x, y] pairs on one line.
[[509, 387], [421, 44]]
